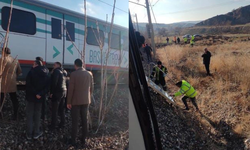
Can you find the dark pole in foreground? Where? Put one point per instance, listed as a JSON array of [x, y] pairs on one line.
[[151, 28], [141, 96]]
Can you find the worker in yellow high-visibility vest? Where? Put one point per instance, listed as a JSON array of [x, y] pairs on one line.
[[192, 37], [159, 72], [192, 41], [189, 92], [185, 40]]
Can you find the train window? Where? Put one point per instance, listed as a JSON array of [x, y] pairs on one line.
[[115, 41], [125, 43], [93, 36], [70, 36], [21, 21], [56, 28]]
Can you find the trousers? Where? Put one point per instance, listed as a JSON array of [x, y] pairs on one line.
[[162, 83], [207, 69], [33, 113], [76, 112], [58, 100], [184, 99], [15, 103]]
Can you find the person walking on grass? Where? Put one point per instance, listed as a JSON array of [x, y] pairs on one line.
[[206, 60], [79, 98], [37, 86], [189, 92], [178, 40], [8, 85], [167, 40], [58, 91], [185, 40]]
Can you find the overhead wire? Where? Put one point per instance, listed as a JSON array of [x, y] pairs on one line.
[[112, 6], [156, 2]]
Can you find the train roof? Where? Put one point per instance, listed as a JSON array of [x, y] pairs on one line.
[[65, 11]]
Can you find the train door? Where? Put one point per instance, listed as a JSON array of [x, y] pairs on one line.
[[55, 37], [71, 40]]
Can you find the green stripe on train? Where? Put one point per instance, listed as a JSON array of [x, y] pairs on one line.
[[42, 31], [40, 20], [59, 15], [27, 6], [79, 31]]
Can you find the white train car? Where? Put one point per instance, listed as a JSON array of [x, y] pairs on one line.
[[48, 31]]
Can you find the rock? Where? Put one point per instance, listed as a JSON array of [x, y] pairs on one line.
[[114, 129], [247, 144]]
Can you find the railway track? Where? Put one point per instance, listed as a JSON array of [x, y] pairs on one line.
[[21, 87]]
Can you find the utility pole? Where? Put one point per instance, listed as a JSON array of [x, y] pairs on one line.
[[137, 22], [151, 27]]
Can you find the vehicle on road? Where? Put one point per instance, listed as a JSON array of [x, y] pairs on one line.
[[188, 36], [197, 36]]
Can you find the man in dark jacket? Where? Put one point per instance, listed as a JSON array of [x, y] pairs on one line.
[[45, 98], [148, 51], [206, 60], [178, 40], [58, 92], [159, 73], [37, 83], [167, 40]]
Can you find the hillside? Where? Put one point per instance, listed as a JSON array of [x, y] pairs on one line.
[[223, 98], [239, 16], [169, 27], [218, 30], [184, 24]]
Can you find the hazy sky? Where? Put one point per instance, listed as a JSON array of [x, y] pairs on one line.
[[97, 8], [169, 11]]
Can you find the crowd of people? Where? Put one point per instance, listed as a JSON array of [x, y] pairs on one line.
[[73, 93], [159, 72], [175, 40]]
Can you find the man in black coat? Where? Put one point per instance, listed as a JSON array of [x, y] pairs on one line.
[[167, 40], [148, 51], [58, 92], [206, 60], [37, 83], [45, 98], [178, 40]]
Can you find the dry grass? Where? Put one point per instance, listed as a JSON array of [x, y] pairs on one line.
[[226, 95]]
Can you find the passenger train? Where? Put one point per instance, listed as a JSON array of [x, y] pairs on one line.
[[54, 33]]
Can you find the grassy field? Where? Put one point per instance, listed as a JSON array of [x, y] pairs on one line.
[[226, 95], [231, 37]]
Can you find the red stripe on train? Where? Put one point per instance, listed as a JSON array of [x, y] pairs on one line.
[[98, 66], [28, 62]]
